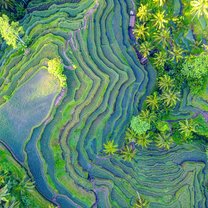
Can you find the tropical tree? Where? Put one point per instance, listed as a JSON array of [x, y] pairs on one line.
[[160, 59], [4, 194], [187, 128], [110, 148], [139, 126], [148, 116], [170, 98], [145, 48], [55, 67], [162, 37], [159, 19], [130, 135], [159, 2], [199, 8], [165, 83], [10, 31], [176, 53], [164, 140], [140, 202], [152, 101], [7, 4], [143, 12], [141, 31], [128, 153], [143, 140], [195, 71]]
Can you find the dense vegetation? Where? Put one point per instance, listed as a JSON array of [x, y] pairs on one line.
[[110, 133], [179, 60], [16, 189]]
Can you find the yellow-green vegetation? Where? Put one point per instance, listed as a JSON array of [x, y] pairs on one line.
[[110, 148], [10, 31], [16, 188], [56, 68]]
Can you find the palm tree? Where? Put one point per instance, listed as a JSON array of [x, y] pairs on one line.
[[147, 115], [177, 53], [143, 12], [160, 59], [12, 204], [187, 127], [153, 101], [159, 2], [7, 4], [130, 135], [4, 194], [162, 37], [170, 98], [145, 48], [199, 8], [110, 148], [159, 19], [141, 31], [143, 140], [165, 83], [128, 153], [164, 140], [140, 202]]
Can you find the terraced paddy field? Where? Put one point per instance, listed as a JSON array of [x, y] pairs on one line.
[[59, 138]]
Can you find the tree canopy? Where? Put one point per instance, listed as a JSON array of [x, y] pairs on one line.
[[10, 31]]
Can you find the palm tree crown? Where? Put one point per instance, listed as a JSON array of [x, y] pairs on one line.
[[187, 127], [153, 101], [164, 140], [143, 140], [170, 98], [159, 19], [141, 31], [143, 12], [165, 82], [199, 8], [110, 148], [128, 153]]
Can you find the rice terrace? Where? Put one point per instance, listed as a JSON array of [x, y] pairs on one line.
[[104, 103]]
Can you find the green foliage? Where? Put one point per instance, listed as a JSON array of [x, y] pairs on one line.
[[170, 98], [199, 8], [55, 67], [130, 135], [195, 70], [128, 153], [164, 140], [143, 140], [10, 31], [162, 126], [141, 202], [110, 148], [165, 82], [139, 126], [187, 128], [152, 101], [201, 126]]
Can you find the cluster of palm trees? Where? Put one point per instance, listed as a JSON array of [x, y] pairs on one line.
[[159, 29]]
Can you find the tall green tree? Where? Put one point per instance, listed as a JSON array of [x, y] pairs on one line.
[[199, 8], [165, 82], [110, 148], [7, 4], [10, 32], [56, 68], [170, 98], [153, 101]]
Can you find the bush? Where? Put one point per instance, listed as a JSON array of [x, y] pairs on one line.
[[139, 126], [195, 71]]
